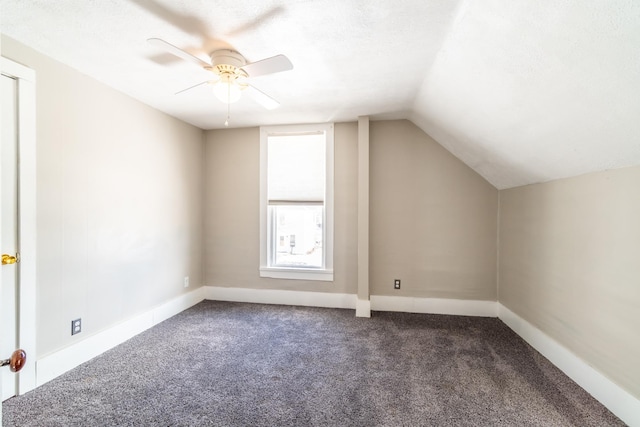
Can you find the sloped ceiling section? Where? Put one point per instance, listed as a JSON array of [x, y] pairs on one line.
[[521, 91], [527, 92]]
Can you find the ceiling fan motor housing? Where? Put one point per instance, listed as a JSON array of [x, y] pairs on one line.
[[227, 56]]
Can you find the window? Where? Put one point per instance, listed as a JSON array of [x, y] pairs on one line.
[[296, 202]]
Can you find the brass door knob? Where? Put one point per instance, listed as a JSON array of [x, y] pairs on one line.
[[16, 361], [9, 259]]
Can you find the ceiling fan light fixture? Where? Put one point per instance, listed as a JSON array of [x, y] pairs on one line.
[[227, 90]]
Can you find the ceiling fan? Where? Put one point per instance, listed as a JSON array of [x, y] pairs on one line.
[[231, 71]]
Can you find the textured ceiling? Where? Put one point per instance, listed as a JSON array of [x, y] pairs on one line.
[[521, 91]]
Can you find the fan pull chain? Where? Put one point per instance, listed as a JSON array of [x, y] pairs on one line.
[[226, 122]]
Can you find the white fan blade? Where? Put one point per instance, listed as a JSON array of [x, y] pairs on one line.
[[275, 64], [177, 52], [262, 98], [195, 86]]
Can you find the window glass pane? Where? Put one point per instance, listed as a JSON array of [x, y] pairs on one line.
[[297, 235], [296, 167]]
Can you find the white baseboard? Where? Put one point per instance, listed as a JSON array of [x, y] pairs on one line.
[[617, 400], [55, 364], [456, 307], [275, 296], [363, 308], [350, 301]]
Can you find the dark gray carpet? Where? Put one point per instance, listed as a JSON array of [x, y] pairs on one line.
[[228, 364]]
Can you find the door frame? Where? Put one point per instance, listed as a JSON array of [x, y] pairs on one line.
[[26, 79]]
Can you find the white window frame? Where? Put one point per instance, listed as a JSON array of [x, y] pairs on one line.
[[320, 274]]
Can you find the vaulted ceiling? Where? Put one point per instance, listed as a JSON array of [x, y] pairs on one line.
[[521, 91]]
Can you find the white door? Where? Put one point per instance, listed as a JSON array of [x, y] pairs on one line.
[[17, 223], [8, 232]]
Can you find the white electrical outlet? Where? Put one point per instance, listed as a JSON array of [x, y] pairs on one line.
[[76, 326], [186, 281]]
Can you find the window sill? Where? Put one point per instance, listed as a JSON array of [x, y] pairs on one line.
[[297, 273]]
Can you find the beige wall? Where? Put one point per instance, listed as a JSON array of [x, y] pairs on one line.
[[232, 218], [570, 265], [433, 220], [119, 215]]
